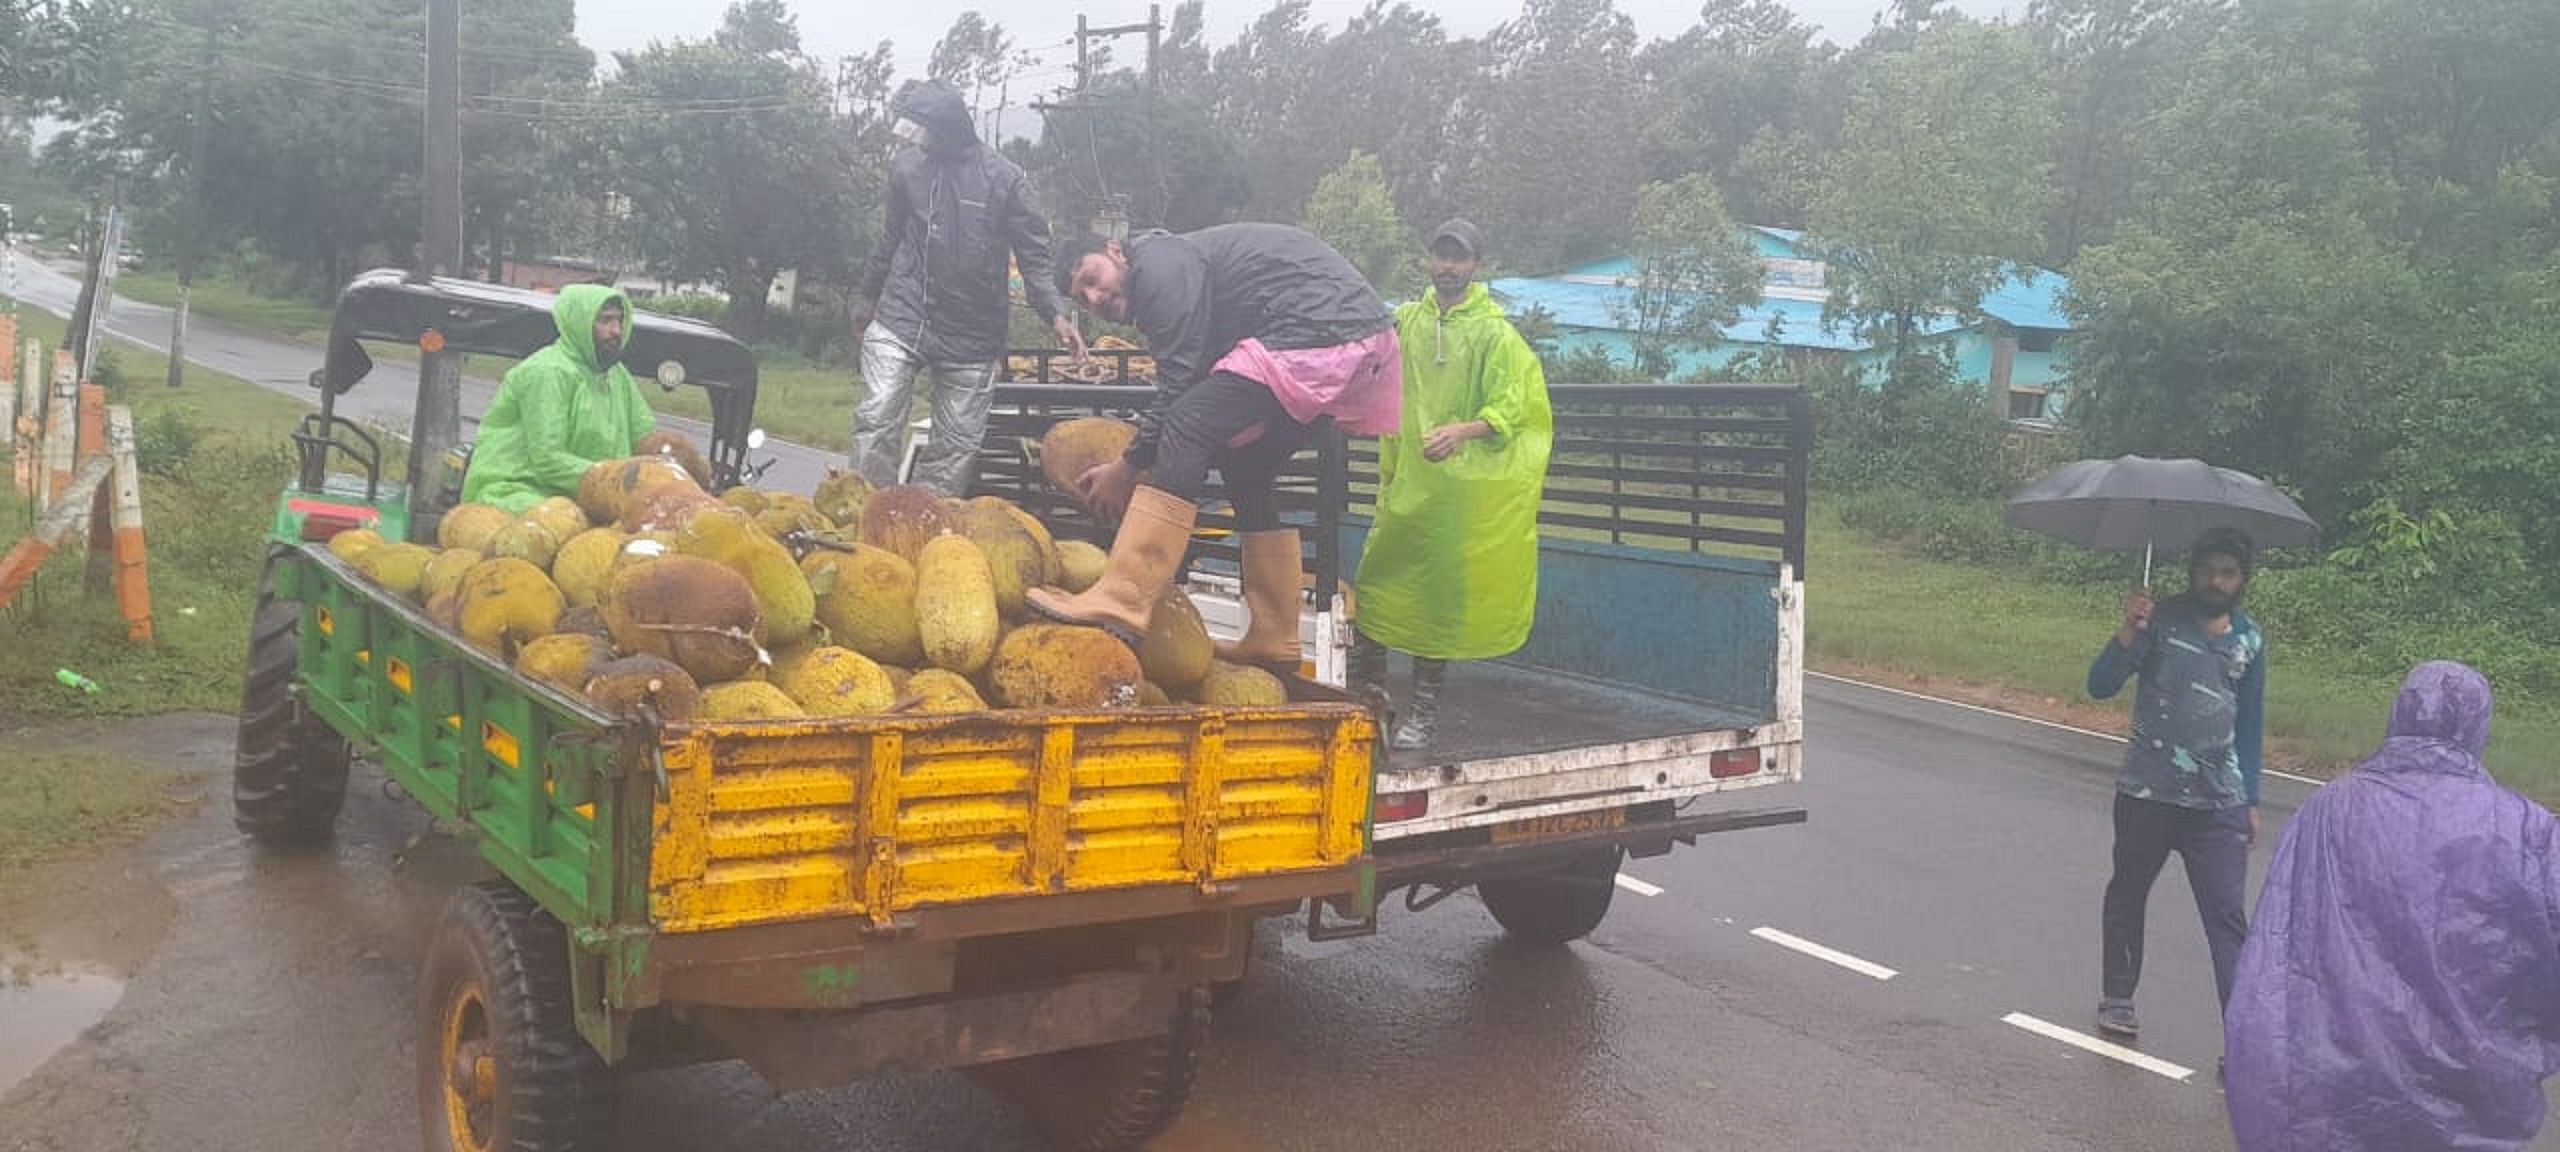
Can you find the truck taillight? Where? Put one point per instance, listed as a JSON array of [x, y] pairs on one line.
[[1734, 762], [1396, 806]]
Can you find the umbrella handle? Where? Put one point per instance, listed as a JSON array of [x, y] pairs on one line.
[[2146, 565]]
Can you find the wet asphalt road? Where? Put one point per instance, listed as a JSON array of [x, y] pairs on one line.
[[1963, 852]]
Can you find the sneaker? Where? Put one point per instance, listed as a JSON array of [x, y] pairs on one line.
[[2116, 1018], [1414, 733]]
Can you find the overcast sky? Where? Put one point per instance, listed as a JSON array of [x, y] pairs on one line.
[[833, 28]]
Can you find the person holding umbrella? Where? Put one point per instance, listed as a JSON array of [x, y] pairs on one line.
[[2189, 781]]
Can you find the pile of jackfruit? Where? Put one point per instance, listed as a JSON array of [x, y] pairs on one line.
[[652, 597]]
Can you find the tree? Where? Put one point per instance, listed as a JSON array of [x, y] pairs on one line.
[[1741, 75], [1554, 163], [1352, 211], [1940, 184], [733, 164], [975, 55], [1694, 271]]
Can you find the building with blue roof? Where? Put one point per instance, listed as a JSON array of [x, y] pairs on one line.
[[2014, 349]]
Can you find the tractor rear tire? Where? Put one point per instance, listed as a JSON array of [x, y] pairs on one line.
[[289, 769], [1114, 1098], [1558, 906], [501, 1064]]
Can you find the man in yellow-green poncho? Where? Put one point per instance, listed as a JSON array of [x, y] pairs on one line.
[[561, 409], [1451, 567]]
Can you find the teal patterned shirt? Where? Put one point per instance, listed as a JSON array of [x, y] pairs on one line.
[[2199, 715]]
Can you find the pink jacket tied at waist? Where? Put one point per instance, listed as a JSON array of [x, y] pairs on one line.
[[1359, 384]]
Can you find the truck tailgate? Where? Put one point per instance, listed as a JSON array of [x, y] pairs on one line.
[[871, 817]]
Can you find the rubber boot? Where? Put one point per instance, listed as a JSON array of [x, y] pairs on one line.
[[1271, 581], [1422, 709], [1154, 534]]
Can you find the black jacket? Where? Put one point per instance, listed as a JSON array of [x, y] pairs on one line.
[[1197, 295], [937, 276]]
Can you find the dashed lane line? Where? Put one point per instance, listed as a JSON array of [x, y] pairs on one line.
[[2091, 1044], [1638, 887], [1867, 968]]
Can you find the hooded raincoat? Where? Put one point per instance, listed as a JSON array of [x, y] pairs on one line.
[[2401, 992], [558, 412], [1450, 571]]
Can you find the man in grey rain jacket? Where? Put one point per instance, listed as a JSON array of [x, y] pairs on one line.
[[935, 299]]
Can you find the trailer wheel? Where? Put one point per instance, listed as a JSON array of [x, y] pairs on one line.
[[1556, 906], [289, 769], [501, 1065], [1114, 1098]]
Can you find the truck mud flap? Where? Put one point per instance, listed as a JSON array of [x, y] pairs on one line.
[[1456, 859]]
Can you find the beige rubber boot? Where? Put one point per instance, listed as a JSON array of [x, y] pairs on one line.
[[1154, 534], [1271, 582]]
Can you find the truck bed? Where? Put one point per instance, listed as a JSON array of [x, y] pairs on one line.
[[1497, 710]]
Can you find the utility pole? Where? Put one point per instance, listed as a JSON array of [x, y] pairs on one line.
[[190, 235], [1111, 217], [436, 428]]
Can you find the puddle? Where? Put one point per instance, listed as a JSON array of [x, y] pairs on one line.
[[44, 1006]]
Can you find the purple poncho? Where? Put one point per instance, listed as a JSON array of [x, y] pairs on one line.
[[2401, 989]]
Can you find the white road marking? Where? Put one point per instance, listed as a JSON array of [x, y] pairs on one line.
[[1636, 886], [2092, 1044], [2021, 718], [1828, 955]]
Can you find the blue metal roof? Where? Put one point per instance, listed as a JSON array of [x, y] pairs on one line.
[[1599, 306], [2030, 298]]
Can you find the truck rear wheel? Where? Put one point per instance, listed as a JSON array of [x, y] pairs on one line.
[[1557, 906], [289, 769], [1113, 1098], [501, 1065]]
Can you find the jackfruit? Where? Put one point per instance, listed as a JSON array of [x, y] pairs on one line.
[[621, 687], [936, 691], [836, 682], [470, 526], [582, 564], [587, 621], [956, 605], [445, 608], [1080, 565], [399, 568], [898, 677], [679, 448], [901, 519], [785, 514], [1177, 650], [508, 603], [1015, 558], [1150, 696], [1239, 686], [668, 509], [687, 609], [728, 537], [564, 660], [869, 602], [840, 497], [746, 700], [1063, 666], [527, 540], [444, 574], [611, 488], [745, 499], [1039, 533], [353, 543], [1074, 447], [560, 514]]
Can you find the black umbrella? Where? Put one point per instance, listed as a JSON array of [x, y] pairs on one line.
[[2135, 501]]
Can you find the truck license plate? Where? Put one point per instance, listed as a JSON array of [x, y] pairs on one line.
[[1551, 827]]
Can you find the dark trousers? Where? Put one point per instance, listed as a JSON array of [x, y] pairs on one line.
[[1238, 427], [2214, 843]]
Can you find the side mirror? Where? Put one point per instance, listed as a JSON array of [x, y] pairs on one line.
[[670, 375]]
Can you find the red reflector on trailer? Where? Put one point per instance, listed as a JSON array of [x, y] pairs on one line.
[[1397, 806], [1734, 762]]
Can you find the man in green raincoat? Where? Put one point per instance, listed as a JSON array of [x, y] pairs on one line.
[[1451, 567], [561, 409]]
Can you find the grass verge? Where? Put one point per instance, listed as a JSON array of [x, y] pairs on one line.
[[214, 457], [231, 304], [2024, 641], [53, 802], [796, 400]]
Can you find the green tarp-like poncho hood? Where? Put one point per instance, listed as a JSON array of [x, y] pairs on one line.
[[558, 412], [1450, 570]]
